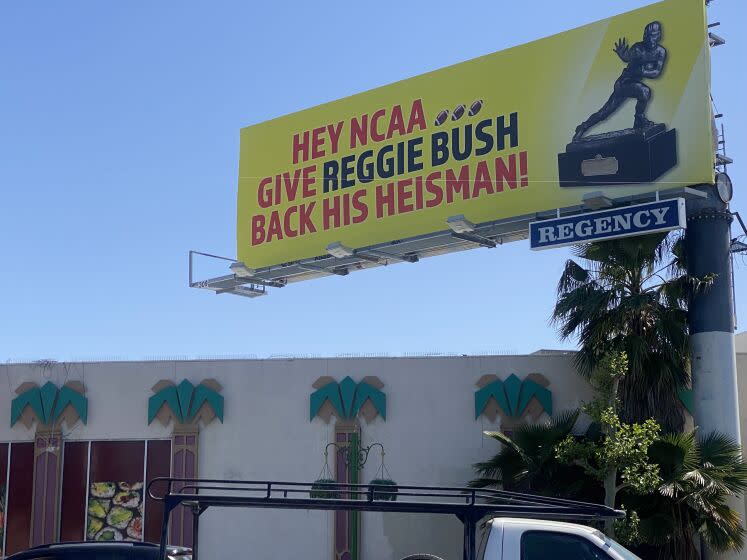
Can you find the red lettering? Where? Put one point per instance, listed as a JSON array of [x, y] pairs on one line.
[[417, 116], [433, 189], [376, 136], [482, 180], [403, 195], [307, 181], [396, 123], [301, 147], [258, 229], [505, 174], [383, 200], [359, 131], [419, 192], [278, 189], [307, 226], [523, 169], [289, 231], [317, 141], [334, 132], [274, 229], [346, 209], [291, 187], [360, 205], [331, 211], [454, 185], [264, 196]]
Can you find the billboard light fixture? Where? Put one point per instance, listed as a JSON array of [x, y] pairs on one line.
[[250, 291], [240, 269], [596, 200], [339, 251], [715, 40], [460, 224]]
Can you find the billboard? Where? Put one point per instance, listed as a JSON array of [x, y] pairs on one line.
[[620, 105]]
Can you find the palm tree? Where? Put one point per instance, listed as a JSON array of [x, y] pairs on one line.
[[630, 295], [526, 462], [699, 476]]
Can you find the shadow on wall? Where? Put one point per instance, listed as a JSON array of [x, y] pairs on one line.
[[410, 533]]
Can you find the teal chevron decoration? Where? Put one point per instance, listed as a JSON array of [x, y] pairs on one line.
[[513, 396], [185, 403], [49, 405], [348, 398]]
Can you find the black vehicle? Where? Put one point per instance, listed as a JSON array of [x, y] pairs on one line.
[[101, 551]]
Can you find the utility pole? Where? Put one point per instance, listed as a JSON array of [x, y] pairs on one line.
[[711, 322]]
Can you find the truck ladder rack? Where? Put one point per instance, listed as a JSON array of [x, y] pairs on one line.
[[468, 504]]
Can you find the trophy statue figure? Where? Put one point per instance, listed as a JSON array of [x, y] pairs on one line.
[[645, 60], [635, 155]]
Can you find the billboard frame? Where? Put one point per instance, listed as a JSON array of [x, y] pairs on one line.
[[255, 282]]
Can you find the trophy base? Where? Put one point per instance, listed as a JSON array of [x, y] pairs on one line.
[[621, 157]]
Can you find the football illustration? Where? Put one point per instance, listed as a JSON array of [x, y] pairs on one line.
[[457, 113], [441, 117], [475, 107]]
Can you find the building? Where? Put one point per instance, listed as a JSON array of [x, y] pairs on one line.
[[80, 439]]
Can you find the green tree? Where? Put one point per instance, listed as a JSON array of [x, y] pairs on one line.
[[699, 477], [618, 456], [527, 462], [630, 295], [618, 460]]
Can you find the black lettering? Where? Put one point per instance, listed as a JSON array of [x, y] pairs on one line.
[[348, 167], [413, 153], [365, 167], [439, 148], [512, 130], [483, 137], [384, 164], [330, 170], [461, 152]]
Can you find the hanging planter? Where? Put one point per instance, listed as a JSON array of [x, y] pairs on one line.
[[325, 489], [384, 489], [382, 486]]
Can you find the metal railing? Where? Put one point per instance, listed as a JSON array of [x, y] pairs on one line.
[[470, 505]]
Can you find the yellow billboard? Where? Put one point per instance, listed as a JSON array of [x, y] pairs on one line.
[[620, 105]]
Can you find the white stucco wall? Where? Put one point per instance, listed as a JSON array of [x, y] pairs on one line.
[[740, 343], [741, 351], [430, 436]]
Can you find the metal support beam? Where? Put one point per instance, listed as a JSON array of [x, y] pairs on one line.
[[195, 531], [470, 526], [197, 511], [339, 271], [370, 258], [484, 241], [168, 505], [390, 256]]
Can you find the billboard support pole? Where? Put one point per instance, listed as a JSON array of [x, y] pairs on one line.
[[711, 320]]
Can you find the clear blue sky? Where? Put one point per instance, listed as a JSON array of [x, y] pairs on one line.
[[119, 130]]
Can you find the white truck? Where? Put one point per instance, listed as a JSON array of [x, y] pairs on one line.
[[515, 526], [537, 539]]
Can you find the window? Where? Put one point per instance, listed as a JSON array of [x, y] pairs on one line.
[[541, 545]]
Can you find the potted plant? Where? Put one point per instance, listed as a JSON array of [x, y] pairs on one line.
[[384, 489], [325, 488]]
